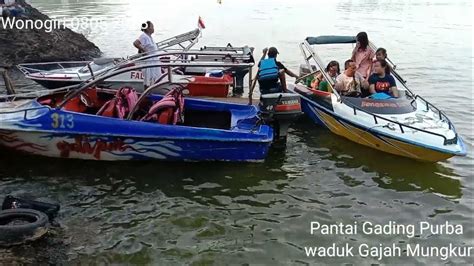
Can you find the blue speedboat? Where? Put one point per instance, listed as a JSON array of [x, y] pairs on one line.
[[100, 124], [211, 131]]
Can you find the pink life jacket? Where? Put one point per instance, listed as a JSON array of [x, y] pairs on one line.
[[168, 110], [120, 106]]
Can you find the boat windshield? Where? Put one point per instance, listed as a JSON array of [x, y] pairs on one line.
[[98, 65]]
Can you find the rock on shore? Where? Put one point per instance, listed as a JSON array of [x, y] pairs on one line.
[[37, 45]]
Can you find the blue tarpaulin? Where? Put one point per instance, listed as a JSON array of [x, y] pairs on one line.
[[327, 39]]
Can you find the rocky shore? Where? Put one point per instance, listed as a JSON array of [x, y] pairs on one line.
[[38, 45]]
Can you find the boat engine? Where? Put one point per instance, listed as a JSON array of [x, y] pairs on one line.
[[280, 110]]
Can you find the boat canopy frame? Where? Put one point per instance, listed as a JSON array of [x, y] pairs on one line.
[[191, 38], [310, 54], [185, 40]]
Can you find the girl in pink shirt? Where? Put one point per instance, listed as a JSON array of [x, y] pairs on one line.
[[363, 55]]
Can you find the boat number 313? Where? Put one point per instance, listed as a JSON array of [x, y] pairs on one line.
[[62, 121]]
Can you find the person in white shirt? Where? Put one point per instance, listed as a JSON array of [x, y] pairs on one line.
[[146, 44], [350, 82]]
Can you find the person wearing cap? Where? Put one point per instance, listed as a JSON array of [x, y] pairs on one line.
[[271, 74]]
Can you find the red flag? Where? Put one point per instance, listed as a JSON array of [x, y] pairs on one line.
[[201, 23]]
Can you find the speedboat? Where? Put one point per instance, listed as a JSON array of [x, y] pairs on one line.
[[408, 126], [52, 75], [93, 123]]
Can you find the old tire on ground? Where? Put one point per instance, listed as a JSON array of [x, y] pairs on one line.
[[18, 226]]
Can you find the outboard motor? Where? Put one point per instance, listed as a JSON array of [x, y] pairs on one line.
[[239, 74], [280, 110]]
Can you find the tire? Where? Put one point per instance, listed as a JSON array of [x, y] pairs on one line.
[[14, 234]]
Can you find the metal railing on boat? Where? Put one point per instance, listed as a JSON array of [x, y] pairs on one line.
[[34, 94], [376, 118], [31, 68], [192, 37], [221, 59], [169, 64], [183, 54]]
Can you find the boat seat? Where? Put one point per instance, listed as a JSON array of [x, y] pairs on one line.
[[169, 110], [120, 106], [81, 103]]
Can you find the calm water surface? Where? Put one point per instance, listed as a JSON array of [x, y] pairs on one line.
[[172, 213]]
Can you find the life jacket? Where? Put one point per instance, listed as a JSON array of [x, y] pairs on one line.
[[169, 110], [268, 69], [120, 106]]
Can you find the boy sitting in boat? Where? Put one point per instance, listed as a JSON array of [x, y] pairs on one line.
[[381, 81], [350, 82], [380, 54], [271, 74]]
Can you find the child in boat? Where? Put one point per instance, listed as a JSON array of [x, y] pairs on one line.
[[146, 44], [381, 82], [320, 83], [380, 54], [362, 55]]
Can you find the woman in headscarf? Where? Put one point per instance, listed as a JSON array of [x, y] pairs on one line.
[[146, 44]]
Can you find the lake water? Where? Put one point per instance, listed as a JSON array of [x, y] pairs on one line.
[[171, 213]]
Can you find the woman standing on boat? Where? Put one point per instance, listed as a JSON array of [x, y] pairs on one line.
[[363, 55], [146, 44]]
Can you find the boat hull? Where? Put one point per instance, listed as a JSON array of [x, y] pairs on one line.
[[56, 83], [30, 127], [115, 148], [370, 138], [52, 84]]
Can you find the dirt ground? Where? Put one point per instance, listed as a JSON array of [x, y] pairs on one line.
[[51, 249]]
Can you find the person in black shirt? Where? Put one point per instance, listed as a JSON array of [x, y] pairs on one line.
[[381, 82]]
